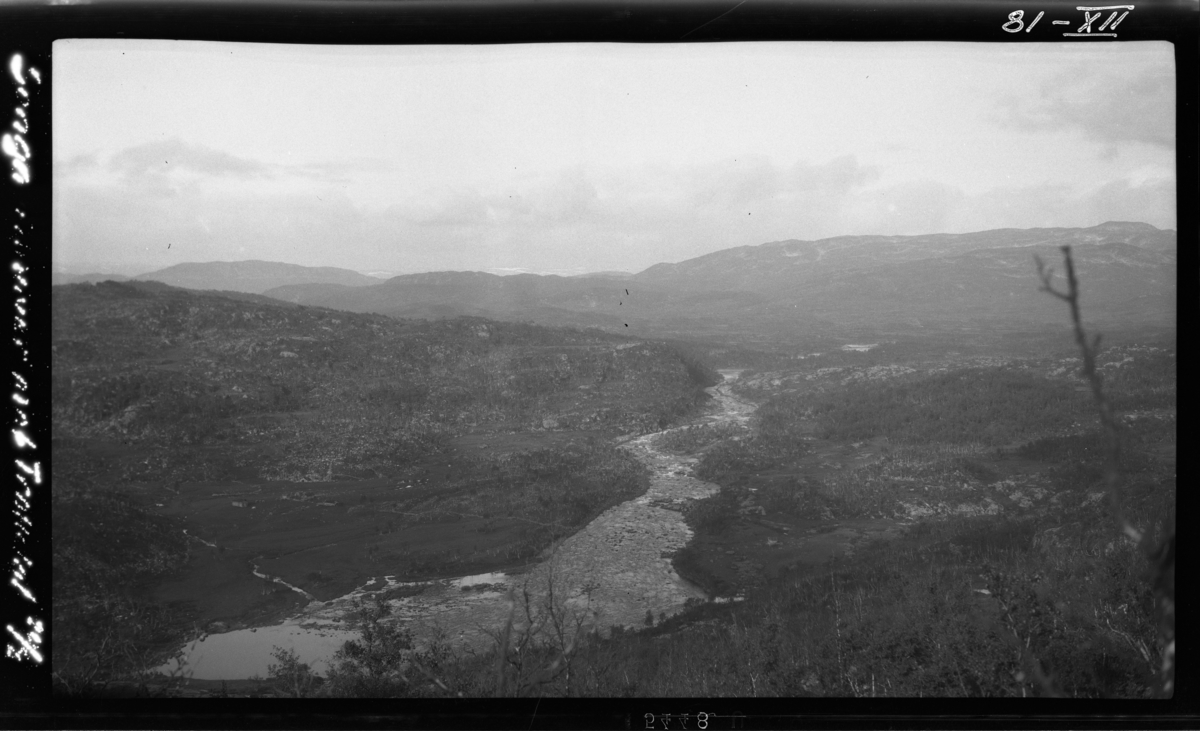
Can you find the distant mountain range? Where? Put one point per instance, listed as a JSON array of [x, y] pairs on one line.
[[987, 279], [545, 299], [777, 267], [252, 276], [976, 280], [57, 278]]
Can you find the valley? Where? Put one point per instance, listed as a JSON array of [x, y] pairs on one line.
[[615, 570], [270, 484], [433, 362]]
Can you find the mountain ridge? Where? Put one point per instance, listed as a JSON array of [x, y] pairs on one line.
[[252, 275], [57, 278], [775, 259], [1128, 270]]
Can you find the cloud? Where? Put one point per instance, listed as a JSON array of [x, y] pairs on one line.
[[1132, 200], [1123, 105], [76, 164], [915, 207], [335, 171], [572, 196], [578, 218], [1150, 200], [1028, 206], [754, 180], [144, 233], [461, 207], [158, 157], [630, 218]]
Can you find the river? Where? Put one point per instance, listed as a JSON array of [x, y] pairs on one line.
[[614, 571]]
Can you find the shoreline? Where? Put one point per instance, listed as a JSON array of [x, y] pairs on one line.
[[617, 568]]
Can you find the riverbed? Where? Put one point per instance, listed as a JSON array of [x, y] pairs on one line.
[[616, 571]]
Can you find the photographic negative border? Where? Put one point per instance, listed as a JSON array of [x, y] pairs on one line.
[[28, 30]]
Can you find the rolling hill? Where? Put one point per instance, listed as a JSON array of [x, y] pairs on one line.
[[977, 280], [178, 370], [778, 266], [545, 299], [57, 278], [252, 276]]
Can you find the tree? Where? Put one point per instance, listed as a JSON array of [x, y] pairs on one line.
[[1161, 557], [541, 650], [375, 664], [294, 677]]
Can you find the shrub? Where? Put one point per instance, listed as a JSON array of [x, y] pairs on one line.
[[714, 514], [372, 666], [993, 406], [292, 676]]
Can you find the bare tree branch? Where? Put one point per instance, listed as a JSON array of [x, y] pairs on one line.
[[1162, 557], [1112, 461]]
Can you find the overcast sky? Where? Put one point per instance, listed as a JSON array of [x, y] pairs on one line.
[[574, 158]]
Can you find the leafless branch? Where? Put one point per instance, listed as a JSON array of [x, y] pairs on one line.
[[429, 674], [549, 626], [502, 648], [1088, 349], [1162, 557]]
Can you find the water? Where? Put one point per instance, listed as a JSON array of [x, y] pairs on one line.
[[614, 571], [320, 629], [210, 545], [278, 580], [245, 653]]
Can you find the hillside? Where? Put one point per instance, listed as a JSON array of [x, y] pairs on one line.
[[199, 438], [779, 265], [57, 278], [796, 289], [549, 299], [166, 367], [252, 276], [1126, 286]]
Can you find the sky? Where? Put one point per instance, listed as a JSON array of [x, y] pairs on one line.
[[580, 158]]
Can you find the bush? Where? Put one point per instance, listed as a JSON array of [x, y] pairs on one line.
[[104, 543], [748, 455], [374, 665], [714, 514], [292, 676], [992, 406]]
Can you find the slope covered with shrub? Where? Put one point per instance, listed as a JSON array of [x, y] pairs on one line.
[[156, 387], [297, 393], [970, 408], [968, 607]]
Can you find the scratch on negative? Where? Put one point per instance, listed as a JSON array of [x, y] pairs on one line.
[[722, 15]]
